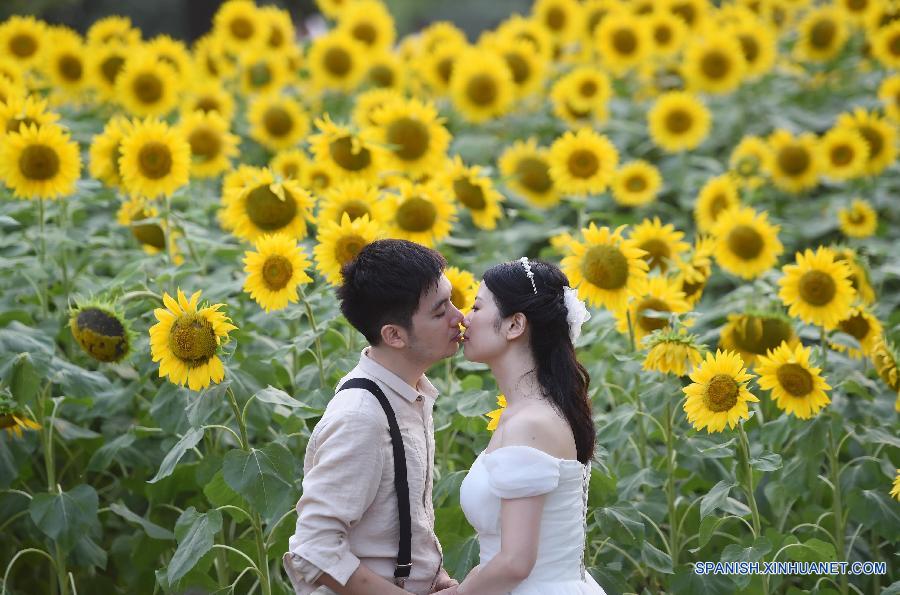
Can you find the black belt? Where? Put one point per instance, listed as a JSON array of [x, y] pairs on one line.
[[401, 486]]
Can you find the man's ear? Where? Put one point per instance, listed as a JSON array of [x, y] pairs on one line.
[[395, 336], [516, 326]]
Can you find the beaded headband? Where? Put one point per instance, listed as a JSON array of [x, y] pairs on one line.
[[524, 261]]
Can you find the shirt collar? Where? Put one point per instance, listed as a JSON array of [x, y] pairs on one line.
[[397, 384]]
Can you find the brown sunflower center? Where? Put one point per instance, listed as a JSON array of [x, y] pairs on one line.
[[715, 65], [278, 121], [793, 160], [588, 88], [111, 67], [606, 267], [817, 288], [354, 209], [745, 242], [259, 74], [341, 150], [39, 162], [873, 138], [721, 393], [841, 155], [208, 104], [23, 45], [381, 76], [679, 121], [748, 165], [149, 234], [7, 421], [241, 27], [518, 66], [276, 272], [822, 34], [469, 194], [192, 339], [409, 137], [290, 169], [555, 19], [70, 67], [652, 323], [267, 211], [795, 379], [685, 10], [662, 34], [205, 143], [100, 334], [856, 326], [718, 204], [757, 335], [658, 253], [320, 180], [624, 41], [583, 163], [444, 69], [155, 160], [147, 88], [750, 47], [636, 183], [347, 247], [534, 174], [856, 5], [482, 89], [338, 61], [595, 18], [100, 322], [276, 37], [416, 214], [365, 33]]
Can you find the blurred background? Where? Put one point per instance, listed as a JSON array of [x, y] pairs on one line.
[[189, 19]]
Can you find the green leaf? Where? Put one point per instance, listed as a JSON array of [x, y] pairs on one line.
[[813, 550], [768, 461], [735, 553], [219, 494], [626, 516], [69, 431], [65, 516], [893, 589], [150, 528], [714, 498], [446, 491], [461, 557], [476, 403], [708, 526], [276, 396], [196, 534], [104, 455], [656, 559], [263, 477], [879, 436], [187, 442]]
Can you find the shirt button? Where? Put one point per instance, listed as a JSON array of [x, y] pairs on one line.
[[419, 398]]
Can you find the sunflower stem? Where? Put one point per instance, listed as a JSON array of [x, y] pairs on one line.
[[63, 256], [823, 351], [50, 470], [837, 504], [168, 229], [42, 251], [748, 487], [670, 487], [318, 342]]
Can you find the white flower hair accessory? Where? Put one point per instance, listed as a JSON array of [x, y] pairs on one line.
[[576, 312], [524, 261]]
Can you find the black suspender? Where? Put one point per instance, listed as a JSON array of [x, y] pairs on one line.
[[404, 554]]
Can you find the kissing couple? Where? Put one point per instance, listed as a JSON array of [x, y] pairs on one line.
[[365, 520]]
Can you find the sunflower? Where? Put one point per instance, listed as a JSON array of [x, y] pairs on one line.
[[351, 154], [718, 392], [11, 71], [413, 134], [14, 421], [667, 33], [714, 63], [880, 135], [208, 96], [672, 352], [750, 161], [238, 25], [155, 159], [747, 245], [889, 94], [662, 243], [142, 217], [622, 41], [563, 243], [370, 23], [369, 102], [817, 288], [463, 288], [105, 152], [354, 198], [885, 44], [171, 52], [336, 61], [636, 183], [678, 121], [859, 220], [895, 491], [264, 72], [22, 38], [40, 162], [65, 64], [101, 331], [862, 326], [655, 300], [759, 43], [844, 153], [274, 271], [605, 268], [528, 29], [280, 32], [318, 177], [692, 12], [494, 416], [436, 67], [421, 213], [186, 340], [859, 274], [693, 272], [753, 334], [524, 63], [481, 85], [582, 162], [20, 112], [277, 121], [796, 160], [821, 34], [797, 387], [113, 30], [386, 70], [10, 91], [582, 94], [718, 195], [339, 243], [289, 164], [859, 11], [526, 168], [212, 145], [885, 360], [475, 191], [263, 205], [105, 64]]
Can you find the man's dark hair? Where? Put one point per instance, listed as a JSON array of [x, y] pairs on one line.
[[383, 284]]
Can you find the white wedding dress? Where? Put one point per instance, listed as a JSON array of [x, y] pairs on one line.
[[521, 471]]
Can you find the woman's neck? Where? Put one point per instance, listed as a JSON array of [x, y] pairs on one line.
[[516, 376]]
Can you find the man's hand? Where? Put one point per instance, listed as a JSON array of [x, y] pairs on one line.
[[449, 591], [444, 582]]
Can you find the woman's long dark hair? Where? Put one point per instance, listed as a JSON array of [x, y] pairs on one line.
[[563, 379]]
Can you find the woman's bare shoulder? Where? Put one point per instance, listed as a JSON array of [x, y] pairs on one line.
[[540, 426]]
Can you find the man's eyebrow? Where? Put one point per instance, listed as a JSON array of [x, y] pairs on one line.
[[439, 304]]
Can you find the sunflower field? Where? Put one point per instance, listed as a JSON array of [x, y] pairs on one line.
[[718, 180]]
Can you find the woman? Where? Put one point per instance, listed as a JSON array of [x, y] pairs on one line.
[[526, 494]]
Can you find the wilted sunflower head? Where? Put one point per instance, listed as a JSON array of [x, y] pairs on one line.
[[12, 419], [754, 333], [885, 358], [101, 331], [672, 351]]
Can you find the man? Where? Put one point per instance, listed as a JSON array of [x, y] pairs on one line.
[[346, 540]]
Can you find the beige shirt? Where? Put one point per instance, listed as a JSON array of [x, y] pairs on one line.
[[348, 514]]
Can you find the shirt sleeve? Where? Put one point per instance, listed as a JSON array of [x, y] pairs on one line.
[[338, 487], [521, 471]]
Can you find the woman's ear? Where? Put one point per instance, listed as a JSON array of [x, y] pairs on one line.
[[516, 326], [394, 336]]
